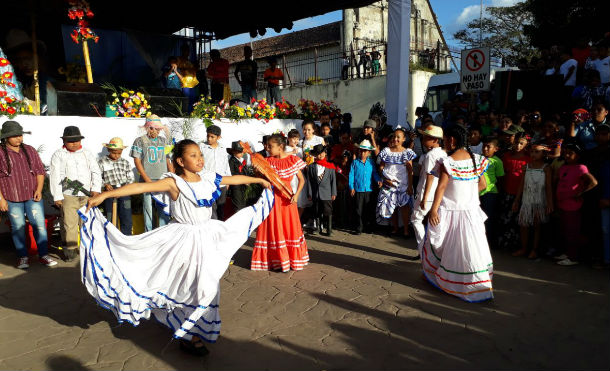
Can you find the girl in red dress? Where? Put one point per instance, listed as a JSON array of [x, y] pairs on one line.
[[280, 243]]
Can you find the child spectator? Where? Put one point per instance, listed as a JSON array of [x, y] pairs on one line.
[[21, 180], [237, 165], [428, 178], [151, 161], [335, 128], [325, 134], [322, 188], [309, 141], [265, 151], [474, 137], [574, 180], [293, 147], [171, 77], [77, 164], [514, 163], [534, 200], [342, 155], [215, 160], [549, 136], [361, 175], [489, 196], [397, 171], [116, 173]]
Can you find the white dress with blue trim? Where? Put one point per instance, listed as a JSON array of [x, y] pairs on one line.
[[395, 169], [455, 255], [174, 271]]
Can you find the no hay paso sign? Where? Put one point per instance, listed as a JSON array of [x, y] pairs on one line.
[[475, 70]]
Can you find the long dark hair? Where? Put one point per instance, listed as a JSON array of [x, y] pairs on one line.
[[278, 139], [460, 134], [9, 168], [178, 152]]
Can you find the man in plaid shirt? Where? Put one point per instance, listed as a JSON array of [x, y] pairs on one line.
[[117, 172]]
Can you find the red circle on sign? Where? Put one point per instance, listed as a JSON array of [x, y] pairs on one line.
[[475, 60]]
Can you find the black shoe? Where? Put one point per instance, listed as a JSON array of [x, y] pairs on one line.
[[69, 255], [329, 227], [191, 348]]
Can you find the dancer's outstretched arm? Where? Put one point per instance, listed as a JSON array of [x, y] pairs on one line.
[[438, 197], [163, 185], [242, 179]]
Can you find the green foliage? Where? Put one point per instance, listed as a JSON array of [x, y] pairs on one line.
[[563, 22], [502, 32]]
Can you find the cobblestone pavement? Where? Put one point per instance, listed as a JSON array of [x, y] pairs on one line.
[[360, 304]]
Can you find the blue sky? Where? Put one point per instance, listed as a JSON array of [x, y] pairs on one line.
[[452, 15]]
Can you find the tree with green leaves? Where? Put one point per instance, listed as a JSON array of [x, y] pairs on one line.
[[502, 28]]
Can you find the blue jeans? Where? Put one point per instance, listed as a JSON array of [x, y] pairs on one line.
[[273, 94], [247, 93], [124, 211], [606, 234], [35, 213], [147, 206]]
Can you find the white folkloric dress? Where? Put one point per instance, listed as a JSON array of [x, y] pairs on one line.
[[455, 253], [395, 169], [172, 272]]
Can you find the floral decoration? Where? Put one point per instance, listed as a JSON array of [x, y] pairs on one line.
[[310, 110], [10, 105], [285, 110], [79, 10], [130, 103]]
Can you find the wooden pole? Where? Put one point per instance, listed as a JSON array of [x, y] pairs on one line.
[[315, 50], [87, 62], [286, 69], [36, 82]]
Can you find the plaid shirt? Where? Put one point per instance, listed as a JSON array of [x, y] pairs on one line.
[[116, 173]]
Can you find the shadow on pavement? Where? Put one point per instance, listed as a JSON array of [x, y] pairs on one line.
[[61, 363]]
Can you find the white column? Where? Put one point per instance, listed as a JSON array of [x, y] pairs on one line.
[[399, 43]]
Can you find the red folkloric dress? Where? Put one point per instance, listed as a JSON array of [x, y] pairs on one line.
[[280, 243]]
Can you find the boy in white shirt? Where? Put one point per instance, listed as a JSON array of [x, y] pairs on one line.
[[428, 180], [216, 159], [77, 164]]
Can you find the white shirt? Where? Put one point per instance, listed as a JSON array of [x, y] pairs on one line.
[[565, 68], [80, 165], [320, 169], [603, 66], [215, 159], [428, 162]]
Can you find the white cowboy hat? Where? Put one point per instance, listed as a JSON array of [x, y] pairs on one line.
[[432, 131], [365, 144]]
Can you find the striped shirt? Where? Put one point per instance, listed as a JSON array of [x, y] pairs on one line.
[[116, 173], [20, 184]]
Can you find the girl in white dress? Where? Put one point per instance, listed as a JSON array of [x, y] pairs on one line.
[[396, 168], [534, 199], [309, 141], [455, 253], [172, 272]]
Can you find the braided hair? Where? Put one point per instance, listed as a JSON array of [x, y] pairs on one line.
[[460, 134], [8, 160]]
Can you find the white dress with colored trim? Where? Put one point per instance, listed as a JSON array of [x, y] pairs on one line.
[[455, 253], [395, 169], [174, 271]]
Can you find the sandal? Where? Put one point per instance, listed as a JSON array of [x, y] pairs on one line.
[[193, 348]]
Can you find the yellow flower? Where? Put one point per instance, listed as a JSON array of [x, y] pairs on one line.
[[114, 94], [124, 95], [137, 101], [131, 92]]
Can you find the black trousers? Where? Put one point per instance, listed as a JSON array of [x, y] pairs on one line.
[[218, 211], [217, 91], [323, 208], [365, 210]]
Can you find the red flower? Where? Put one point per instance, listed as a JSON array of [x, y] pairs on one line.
[[4, 62], [10, 84], [79, 13], [7, 75], [3, 94], [9, 99], [89, 13], [11, 111]]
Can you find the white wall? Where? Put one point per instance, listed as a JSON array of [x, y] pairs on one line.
[[358, 95]]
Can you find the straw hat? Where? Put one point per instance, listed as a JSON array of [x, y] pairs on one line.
[[16, 38], [115, 143], [366, 144], [432, 131]]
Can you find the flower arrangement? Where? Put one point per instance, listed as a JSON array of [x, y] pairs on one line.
[[285, 110], [208, 111], [79, 9], [130, 104], [263, 111], [330, 107], [11, 103], [310, 110], [313, 81]]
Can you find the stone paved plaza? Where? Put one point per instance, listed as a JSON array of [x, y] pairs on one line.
[[360, 304]]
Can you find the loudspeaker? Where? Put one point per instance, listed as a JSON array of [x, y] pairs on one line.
[[75, 99], [527, 90], [166, 102]]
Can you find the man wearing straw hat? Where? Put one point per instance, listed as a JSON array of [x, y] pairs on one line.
[[117, 172], [431, 136]]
